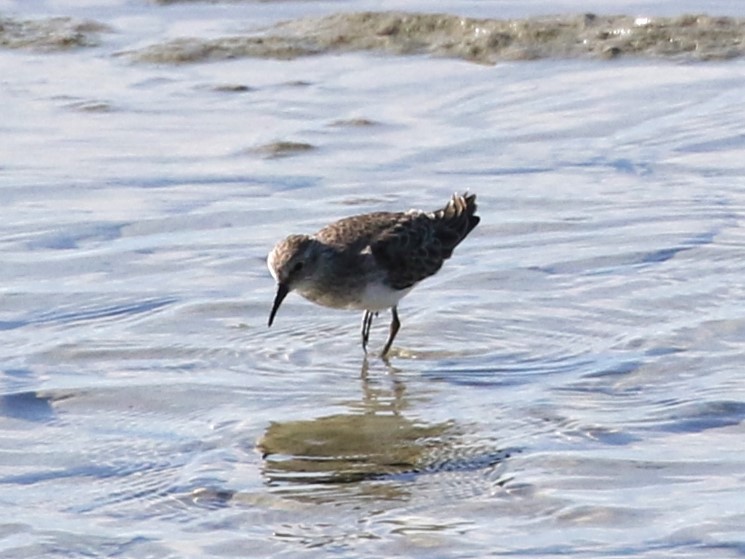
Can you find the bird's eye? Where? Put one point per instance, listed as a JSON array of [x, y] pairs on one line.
[[297, 267]]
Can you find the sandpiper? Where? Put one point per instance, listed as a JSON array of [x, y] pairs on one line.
[[369, 262]]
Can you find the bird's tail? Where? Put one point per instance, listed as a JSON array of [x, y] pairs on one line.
[[455, 221]]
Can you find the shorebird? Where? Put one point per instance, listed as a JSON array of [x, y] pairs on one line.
[[369, 262]]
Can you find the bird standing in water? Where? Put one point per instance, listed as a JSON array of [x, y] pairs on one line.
[[369, 262]]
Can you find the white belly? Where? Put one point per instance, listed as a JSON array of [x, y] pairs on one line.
[[375, 297], [378, 297]]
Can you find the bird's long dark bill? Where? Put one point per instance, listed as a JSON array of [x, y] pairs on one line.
[[282, 292]]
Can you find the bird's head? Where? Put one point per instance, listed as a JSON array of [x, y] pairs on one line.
[[292, 263]]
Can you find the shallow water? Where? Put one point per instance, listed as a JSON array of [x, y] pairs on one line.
[[569, 383]]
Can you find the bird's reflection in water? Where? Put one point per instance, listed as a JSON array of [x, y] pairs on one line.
[[372, 440]]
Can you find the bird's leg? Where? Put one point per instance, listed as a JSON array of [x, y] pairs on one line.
[[395, 325], [367, 319]]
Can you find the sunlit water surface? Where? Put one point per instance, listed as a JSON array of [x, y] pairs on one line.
[[569, 383]]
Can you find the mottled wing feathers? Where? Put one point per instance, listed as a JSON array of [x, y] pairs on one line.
[[408, 251], [417, 243]]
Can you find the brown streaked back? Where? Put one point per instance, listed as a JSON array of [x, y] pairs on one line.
[[417, 244]]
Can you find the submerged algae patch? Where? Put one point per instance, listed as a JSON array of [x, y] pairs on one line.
[[486, 41], [53, 34]]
